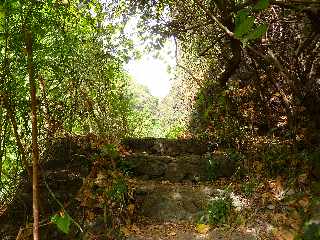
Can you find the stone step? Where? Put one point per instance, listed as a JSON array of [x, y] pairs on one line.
[[163, 146], [165, 201], [173, 231], [172, 210], [179, 168]]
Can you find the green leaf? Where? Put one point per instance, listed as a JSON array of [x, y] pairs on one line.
[[262, 4], [62, 221], [2, 12], [241, 16], [258, 32], [244, 27]]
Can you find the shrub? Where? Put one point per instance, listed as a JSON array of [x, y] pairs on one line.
[[219, 210]]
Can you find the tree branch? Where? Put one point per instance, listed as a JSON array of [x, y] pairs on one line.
[[216, 20]]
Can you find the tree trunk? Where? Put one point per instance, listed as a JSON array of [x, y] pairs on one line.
[[35, 148]]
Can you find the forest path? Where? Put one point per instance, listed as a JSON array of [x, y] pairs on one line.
[[173, 194], [160, 189], [173, 210]]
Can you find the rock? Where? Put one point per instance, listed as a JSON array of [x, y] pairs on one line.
[[188, 167], [219, 165], [150, 166], [162, 146], [172, 202]]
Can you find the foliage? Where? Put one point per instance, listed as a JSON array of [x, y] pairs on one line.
[[143, 118], [118, 191], [63, 222], [110, 150], [275, 158], [212, 167], [234, 155], [244, 23], [219, 210], [124, 166], [107, 195], [175, 131], [231, 92], [78, 67], [243, 91]]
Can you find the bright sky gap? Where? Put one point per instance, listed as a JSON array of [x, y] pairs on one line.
[[152, 71]]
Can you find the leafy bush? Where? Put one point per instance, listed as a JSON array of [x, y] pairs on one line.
[[212, 167], [62, 221], [219, 210], [125, 167]]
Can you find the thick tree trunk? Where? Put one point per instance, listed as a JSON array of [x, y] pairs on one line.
[[35, 148]]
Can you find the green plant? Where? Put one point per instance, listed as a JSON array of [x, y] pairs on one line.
[[234, 155], [175, 131], [245, 26], [219, 210], [118, 191], [110, 150], [212, 167], [125, 167], [63, 222]]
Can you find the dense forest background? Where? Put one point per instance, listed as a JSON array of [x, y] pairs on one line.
[[247, 78]]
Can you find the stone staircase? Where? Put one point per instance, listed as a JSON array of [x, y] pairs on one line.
[[172, 188]]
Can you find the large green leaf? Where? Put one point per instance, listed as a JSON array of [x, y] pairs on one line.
[[244, 27], [262, 4], [62, 221], [258, 32], [241, 16]]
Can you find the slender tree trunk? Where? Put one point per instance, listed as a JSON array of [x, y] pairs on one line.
[[35, 148]]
